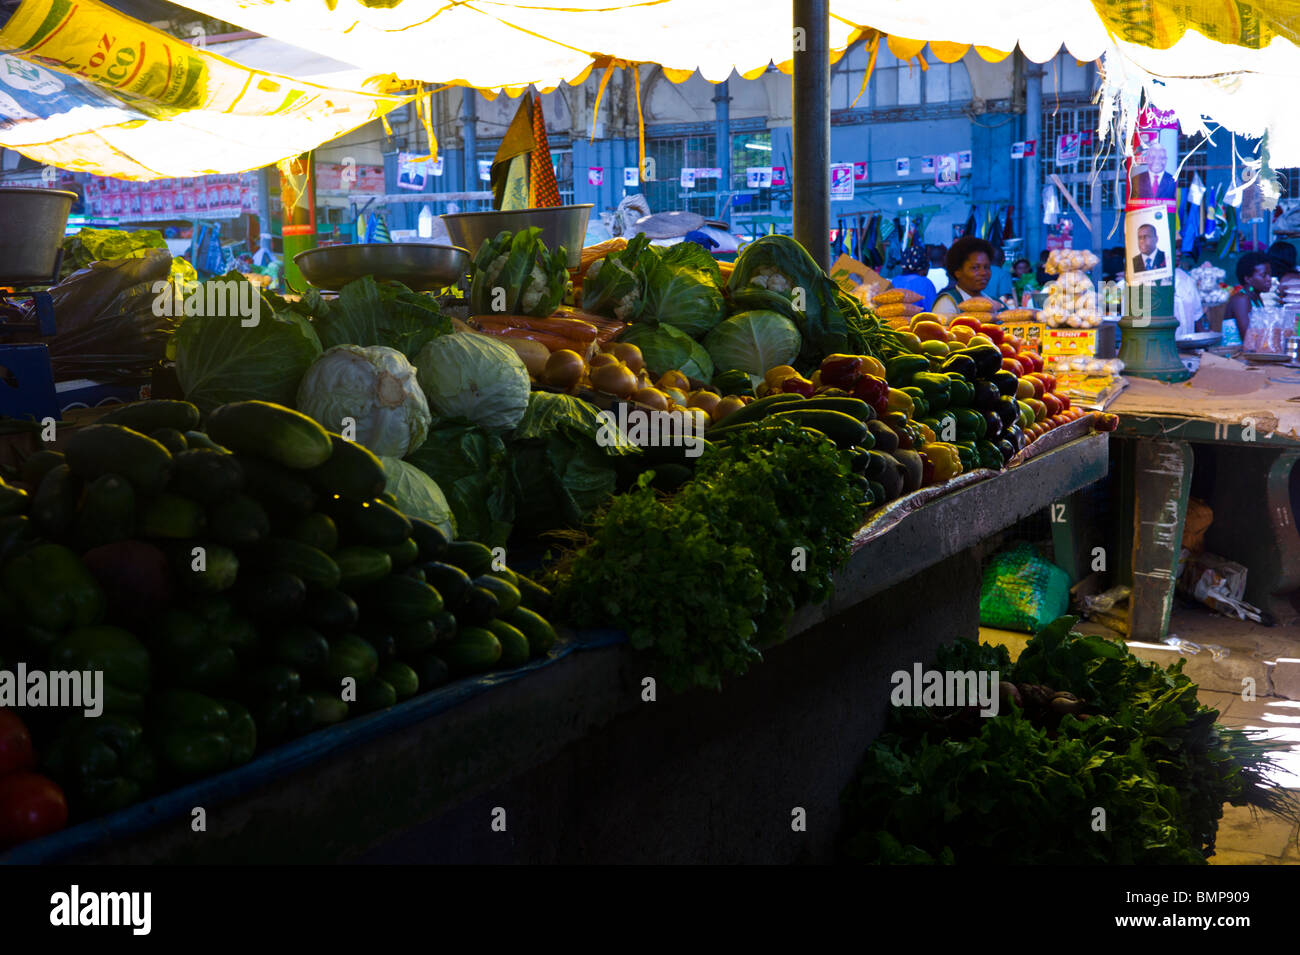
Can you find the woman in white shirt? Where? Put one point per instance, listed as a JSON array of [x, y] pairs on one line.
[[969, 265]]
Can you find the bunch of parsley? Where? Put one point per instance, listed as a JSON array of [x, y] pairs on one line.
[[705, 577]]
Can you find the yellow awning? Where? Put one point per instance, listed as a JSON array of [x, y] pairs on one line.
[[85, 88]]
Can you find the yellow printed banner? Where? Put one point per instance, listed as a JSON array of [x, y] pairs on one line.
[[1161, 23], [87, 88]]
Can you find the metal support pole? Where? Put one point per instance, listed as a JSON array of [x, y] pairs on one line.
[[812, 128], [1033, 188], [469, 134], [722, 148]]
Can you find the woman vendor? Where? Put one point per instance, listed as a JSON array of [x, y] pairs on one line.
[[969, 266], [1255, 275]]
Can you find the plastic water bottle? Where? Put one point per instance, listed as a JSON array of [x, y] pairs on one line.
[[425, 225], [1231, 333]]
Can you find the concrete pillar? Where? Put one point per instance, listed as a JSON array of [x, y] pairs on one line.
[[812, 128], [722, 139], [1033, 196]]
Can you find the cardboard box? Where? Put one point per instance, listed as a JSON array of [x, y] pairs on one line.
[[1068, 342], [856, 279]]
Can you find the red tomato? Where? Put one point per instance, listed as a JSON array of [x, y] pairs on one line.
[[1013, 366], [1053, 404], [31, 806], [971, 323], [1065, 402], [994, 332], [1008, 351], [15, 744], [1038, 360]]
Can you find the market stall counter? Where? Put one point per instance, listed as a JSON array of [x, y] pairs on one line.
[[1251, 415], [575, 759]]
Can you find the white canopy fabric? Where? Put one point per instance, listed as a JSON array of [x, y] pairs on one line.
[[83, 87], [1149, 47], [1233, 60]]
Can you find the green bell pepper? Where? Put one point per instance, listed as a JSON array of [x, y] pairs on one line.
[[102, 764], [52, 588], [961, 392], [936, 387], [900, 369], [968, 454], [990, 456], [122, 658], [971, 425], [194, 653], [1027, 416], [279, 707], [920, 403], [199, 735]]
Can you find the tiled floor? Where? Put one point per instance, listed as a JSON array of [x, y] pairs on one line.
[[1245, 837]]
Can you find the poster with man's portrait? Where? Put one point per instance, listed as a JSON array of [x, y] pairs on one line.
[[1148, 253], [1153, 170]]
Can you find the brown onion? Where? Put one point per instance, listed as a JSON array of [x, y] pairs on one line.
[[629, 355], [616, 379], [564, 369]]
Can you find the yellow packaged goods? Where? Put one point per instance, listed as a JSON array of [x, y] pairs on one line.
[[895, 296], [1060, 342], [978, 305], [1031, 333], [896, 311]]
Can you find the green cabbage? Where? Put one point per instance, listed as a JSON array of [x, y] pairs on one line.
[[219, 360], [753, 342], [683, 291], [367, 313], [779, 265], [470, 466], [474, 378], [664, 348], [418, 495], [376, 387]]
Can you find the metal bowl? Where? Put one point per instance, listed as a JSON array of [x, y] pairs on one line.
[[560, 225], [35, 220], [417, 265]]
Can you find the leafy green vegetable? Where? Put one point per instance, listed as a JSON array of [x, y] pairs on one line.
[[683, 291], [418, 495], [470, 466], [664, 348], [657, 569], [367, 314], [687, 578], [753, 342], [949, 786], [614, 286], [475, 378], [219, 360], [779, 265], [533, 280], [794, 484], [562, 466], [94, 245]]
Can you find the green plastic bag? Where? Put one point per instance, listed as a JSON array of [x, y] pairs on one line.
[[1022, 590]]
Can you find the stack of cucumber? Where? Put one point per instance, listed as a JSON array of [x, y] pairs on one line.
[[260, 560]]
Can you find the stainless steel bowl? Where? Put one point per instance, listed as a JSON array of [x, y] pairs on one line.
[[34, 222], [420, 266], [560, 225]]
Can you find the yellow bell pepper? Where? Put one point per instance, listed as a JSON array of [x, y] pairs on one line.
[[945, 458], [872, 366], [926, 430], [900, 400]]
